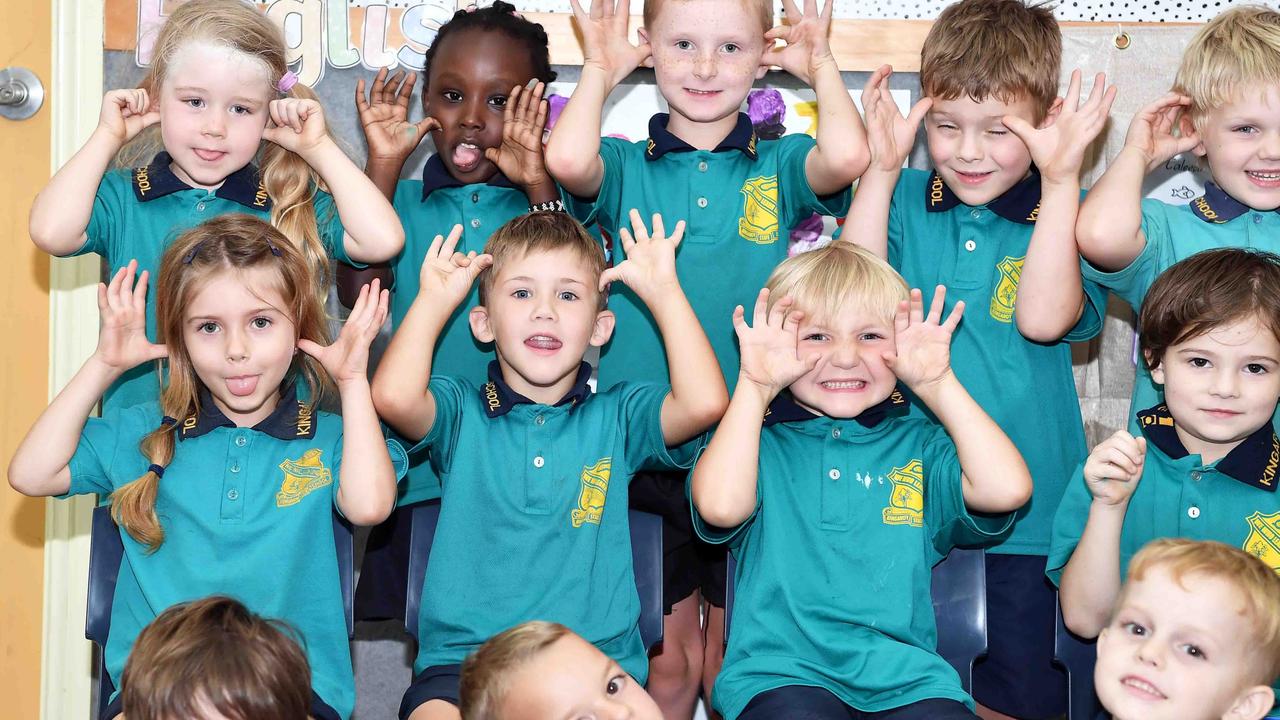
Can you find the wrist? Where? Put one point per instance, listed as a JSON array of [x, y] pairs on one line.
[[100, 368], [319, 151], [385, 162], [1137, 155], [759, 395], [107, 138], [543, 191], [932, 391]]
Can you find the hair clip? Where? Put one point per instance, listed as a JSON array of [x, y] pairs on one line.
[[157, 469], [274, 250], [191, 255], [286, 82]]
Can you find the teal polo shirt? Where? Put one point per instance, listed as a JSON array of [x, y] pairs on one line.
[[1174, 233], [835, 562], [533, 515], [1232, 501], [739, 202], [137, 213], [1027, 387], [259, 529]]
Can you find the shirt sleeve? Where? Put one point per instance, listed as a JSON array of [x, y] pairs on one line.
[[948, 520], [895, 227], [396, 449], [795, 196], [718, 535], [1131, 283], [1068, 525], [108, 454], [332, 233], [105, 231], [613, 154], [441, 440], [640, 413]]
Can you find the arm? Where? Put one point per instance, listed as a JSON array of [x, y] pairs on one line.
[[41, 464], [400, 385], [724, 480], [698, 396], [573, 152], [1050, 292], [60, 213], [995, 478], [889, 138], [1109, 231]]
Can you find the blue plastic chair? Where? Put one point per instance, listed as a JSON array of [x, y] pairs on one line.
[[646, 554], [1077, 656], [105, 552], [959, 604]]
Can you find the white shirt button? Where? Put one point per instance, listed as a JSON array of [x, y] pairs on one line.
[[1193, 512], [539, 420], [475, 197], [1195, 475], [235, 467], [976, 214], [702, 166], [200, 207], [475, 222], [702, 202], [835, 432], [834, 474], [240, 441], [232, 494], [539, 462], [970, 245]]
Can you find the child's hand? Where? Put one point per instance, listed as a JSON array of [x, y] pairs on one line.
[[769, 346], [347, 359], [605, 43], [122, 340], [1058, 150], [806, 49], [650, 267], [125, 113], [523, 120], [384, 116], [922, 355], [1151, 131], [449, 274], [1114, 468], [296, 125], [889, 135]]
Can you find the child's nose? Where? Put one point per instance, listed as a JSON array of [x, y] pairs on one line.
[[237, 348], [705, 66], [1226, 383], [214, 124], [970, 147], [472, 113]]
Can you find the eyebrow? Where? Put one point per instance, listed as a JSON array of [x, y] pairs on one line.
[[199, 89], [526, 278], [263, 310]]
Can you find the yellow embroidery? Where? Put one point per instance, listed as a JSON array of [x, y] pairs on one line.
[[595, 486], [1006, 293], [1264, 539], [906, 502], [301, 476], [759, 221], [1209, 214], [1269, 472]]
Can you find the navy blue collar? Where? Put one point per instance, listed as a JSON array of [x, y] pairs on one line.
[[290, 420], [435, 176], [1252, 462], [661, 141], [1020, 203], [1217, 207], [499, 398], [784, 408], [158, 179]]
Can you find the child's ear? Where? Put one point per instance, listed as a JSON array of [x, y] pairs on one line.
[[1186, 128], [1253, 704], [480, 327], [602, 330], [1157, 371], [1051, 116]]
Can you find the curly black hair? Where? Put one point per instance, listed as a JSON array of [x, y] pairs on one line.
[[500, 17]]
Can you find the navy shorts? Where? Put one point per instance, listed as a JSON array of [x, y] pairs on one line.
[[1017, 676], [439, 682], [688, 563], [320, 710], [800, 702]]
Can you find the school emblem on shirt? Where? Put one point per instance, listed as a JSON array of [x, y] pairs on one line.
[[1006, 292], [1264, 539], [301, 476], [759, 221], [595, 486], [906, 501]]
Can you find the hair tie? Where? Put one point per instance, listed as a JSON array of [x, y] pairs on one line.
[[166, 420], [157, 469], [186, 260], [274, 250], [286, 82]]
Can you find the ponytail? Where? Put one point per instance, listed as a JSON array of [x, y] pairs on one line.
[[133, 506]]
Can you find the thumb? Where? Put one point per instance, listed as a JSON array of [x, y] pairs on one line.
[[310, 347], [890, 358], [492, 154], [426, 125], [918, 112], [1023, 129], [155, 352], [608, 276]]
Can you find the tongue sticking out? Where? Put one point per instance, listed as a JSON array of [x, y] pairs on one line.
[[466, 156], [241, 386]]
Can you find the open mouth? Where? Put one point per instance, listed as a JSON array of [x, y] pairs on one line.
[[545, 344], [843, 385], [973, 178], [1142, 688], [242, 385], [702, 93], [467, 156], [209, 155], [1264, 178]]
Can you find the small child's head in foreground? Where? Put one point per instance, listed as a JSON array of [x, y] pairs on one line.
[[983, 60], [214, 659], [1209, 327], [849, 298], [1195, 635], [540, 302], [541, 670], [1231, 73]]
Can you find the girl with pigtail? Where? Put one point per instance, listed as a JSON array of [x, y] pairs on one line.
[[218, 125], [228, 483]]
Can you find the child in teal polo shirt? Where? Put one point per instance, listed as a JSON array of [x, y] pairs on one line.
[[534, 467], [228, 485], [1204, 465], [985, 223], [836, 504]]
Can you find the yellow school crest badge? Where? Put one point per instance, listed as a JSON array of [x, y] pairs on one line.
[[1264, 539], [595, 487], [906, 501], [1006, 293], [301, 476], [759, 221]]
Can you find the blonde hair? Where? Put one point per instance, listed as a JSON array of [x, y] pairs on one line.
[[487, 672], [542, 232], [1004, 49], [289, 181], [226, 243], [762, 9], [828, 281], [1238, 48], [1257, 585]]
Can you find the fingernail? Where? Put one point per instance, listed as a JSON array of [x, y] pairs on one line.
[[532, 82]]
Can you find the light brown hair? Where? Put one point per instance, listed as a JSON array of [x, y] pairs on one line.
[[542, 232], [1206, 291], [486, 673], [1237, 49], [1004, 49], [762, 9], [226, 243], [216, 654], [827, 281]]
